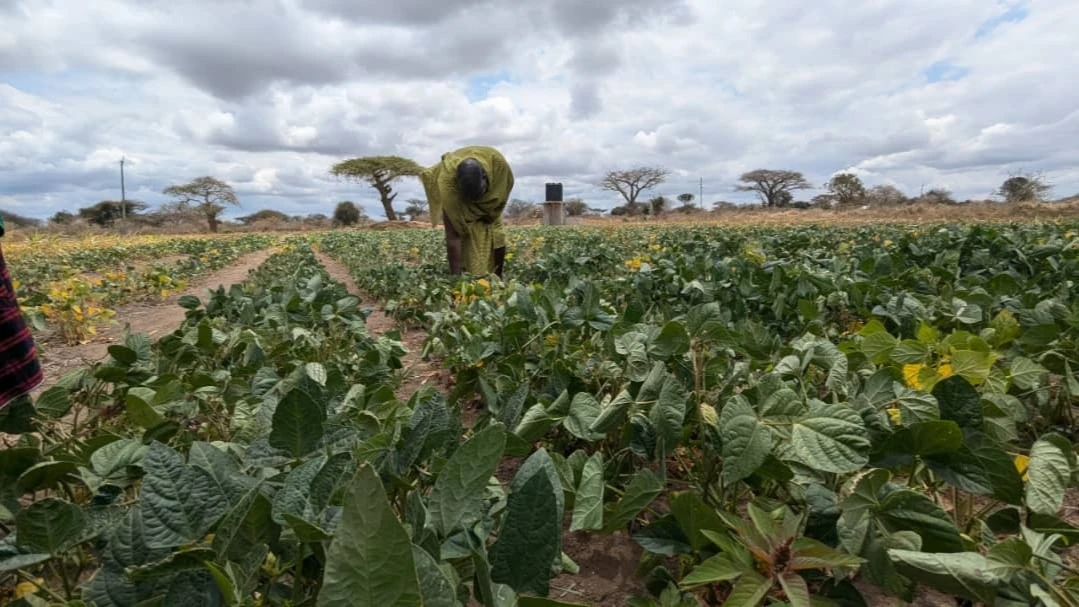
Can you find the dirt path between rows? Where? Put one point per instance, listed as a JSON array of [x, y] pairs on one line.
[[417, 371], [155, 318], [608, 562]]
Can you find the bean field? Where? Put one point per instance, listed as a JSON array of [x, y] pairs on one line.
[[806, 415]]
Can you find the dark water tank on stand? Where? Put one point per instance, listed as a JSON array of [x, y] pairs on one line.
[[554, 192]]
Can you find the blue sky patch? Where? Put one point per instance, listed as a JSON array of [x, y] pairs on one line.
[[1014, 14], [945, 71], [480, 85]]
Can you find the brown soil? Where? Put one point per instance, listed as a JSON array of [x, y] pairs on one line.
[[156, 319]]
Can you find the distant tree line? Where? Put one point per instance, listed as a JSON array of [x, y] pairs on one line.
[[776, 189], [205, 198]]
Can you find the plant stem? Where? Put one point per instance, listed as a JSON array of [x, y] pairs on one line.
[[62, 574], [49, 591]]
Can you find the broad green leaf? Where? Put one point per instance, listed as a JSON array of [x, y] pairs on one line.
[[915, 406], [671, 341], [436, 589], [749, 590], [831, 438], [796, 589], [297, 424], [972, 365], [959, 402], [221, 468], [928, 438], [140, 408], [1009, 557], [663, 536], [179, 503], [191, 557], [458, 490], [965, 574], [719, 568], [535, 423], [746, 442], [641, 491], [50, 526], [910, 352], [588, 503], [613, 414], [584, 410], [669, 412], [878, 345], [54, 402], [1049, 474], [528, 542], [808, 553], [369, 561], [694, 517], [245, 526], [905, 510], [1027, 374]]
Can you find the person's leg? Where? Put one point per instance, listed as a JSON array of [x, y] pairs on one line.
[[500, 261], [453, 247]]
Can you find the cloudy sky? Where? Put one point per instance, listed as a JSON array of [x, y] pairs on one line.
[[268, 94]]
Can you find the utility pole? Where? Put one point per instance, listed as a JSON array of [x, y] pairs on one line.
[[123, 193]]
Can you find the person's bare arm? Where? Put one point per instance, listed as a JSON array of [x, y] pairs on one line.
[[453, 248]]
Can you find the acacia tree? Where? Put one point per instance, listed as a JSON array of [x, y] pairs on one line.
[[380, 172], [847, 188], [416, 208], [208, 196], [1024, 188], [631, 182], [773, 187]]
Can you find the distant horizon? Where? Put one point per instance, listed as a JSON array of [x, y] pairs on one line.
[[917, 95]]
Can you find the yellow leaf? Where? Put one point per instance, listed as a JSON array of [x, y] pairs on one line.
[[1022, 462], [910, 375], [27, 588], [708, 414], [895, 415], [945, 370]]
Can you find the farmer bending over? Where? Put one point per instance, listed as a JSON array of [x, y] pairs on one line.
[[467, 190]]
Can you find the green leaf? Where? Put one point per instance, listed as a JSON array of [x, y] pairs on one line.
[[671, 341], [528, 542], [915, 406], [910, 352], [959, 402], [49, 526], [749, 590], [694, 517], [972, 365], [1027, 374], [1009, 557], [927, 438], [248, 524], [719, 568], [613, 414], [54, 402], [1049, 473], [746, 442], [459, 488], [831, 438], [808, 553], [369, 561], [535, 423], [436, 589], [965, 574], [588, 503], [796, 589], [189, 302], [297, 424], [669, 412], [877, 345], [179, 503], [641, 491], [140, 409]]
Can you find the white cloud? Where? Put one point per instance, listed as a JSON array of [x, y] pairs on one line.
[[269, 95]]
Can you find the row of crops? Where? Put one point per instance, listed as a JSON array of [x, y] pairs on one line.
[[70, 288], [774, 416]]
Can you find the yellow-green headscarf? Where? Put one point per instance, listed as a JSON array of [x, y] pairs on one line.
[[478, 222]]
